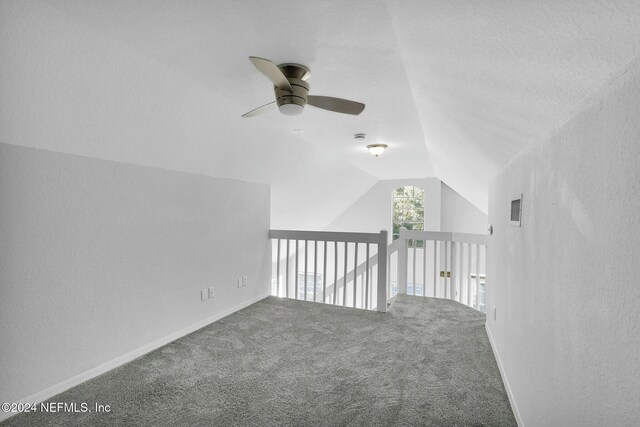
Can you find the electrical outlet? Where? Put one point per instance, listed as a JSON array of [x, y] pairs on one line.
[[244, 281], [204, 295], [239, 282], [211, 292]]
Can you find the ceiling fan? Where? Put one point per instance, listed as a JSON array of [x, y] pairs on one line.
[[292, 91]]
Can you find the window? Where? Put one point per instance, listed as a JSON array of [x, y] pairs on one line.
[[408, 209]]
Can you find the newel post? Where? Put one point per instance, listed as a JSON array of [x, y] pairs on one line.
[[382, 271], [402, 262]]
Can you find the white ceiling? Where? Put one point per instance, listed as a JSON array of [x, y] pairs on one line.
[[490, 77], [456, 88]]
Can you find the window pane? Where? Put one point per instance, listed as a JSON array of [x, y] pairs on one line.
[[408, 209]]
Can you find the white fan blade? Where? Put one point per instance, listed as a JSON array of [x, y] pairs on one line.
[[262, 109], [272, 72], [338, 105]]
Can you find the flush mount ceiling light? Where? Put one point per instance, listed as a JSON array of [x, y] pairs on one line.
[[377, 149]]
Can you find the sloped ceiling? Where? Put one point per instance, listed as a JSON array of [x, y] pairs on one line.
[[490, 77], [456, 88]]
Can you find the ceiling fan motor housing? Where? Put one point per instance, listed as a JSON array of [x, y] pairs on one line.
[[293, 103]]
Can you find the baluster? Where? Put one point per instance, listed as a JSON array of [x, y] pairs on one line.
[[296, 272], [477, 299], [315, 270], [388, 274], [355, 274], [335, 274], [456, 270], [413, 243], [278, 270], [403, 262], [452, 271], [286, 277], [363, 296], [344, 277], [324, 273], [446, 257], [435, 268], [460, 272], [424, 268], [367, 284], [306, 272], [469, 302]]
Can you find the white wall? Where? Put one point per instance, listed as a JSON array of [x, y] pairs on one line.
[[445, 209], [459, 215], [565, 284], [373, 211], [100, 261]]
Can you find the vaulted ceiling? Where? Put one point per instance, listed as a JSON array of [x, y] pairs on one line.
[[455, 88]]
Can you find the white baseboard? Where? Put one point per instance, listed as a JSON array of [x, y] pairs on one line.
[[503, 374], [65, 385]]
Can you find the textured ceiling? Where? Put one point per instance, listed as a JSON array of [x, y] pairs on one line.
[[456, 88], [490, 77]]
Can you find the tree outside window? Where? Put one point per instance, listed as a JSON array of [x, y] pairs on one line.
[[408, 209]]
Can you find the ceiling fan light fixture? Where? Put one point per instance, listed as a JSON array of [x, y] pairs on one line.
[[291, 109], [292, 91], [377, 149]]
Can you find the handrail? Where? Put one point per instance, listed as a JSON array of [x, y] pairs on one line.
[[476, 239], [394, 246], [325, 236]]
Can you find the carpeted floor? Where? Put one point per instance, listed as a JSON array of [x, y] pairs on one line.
[[289, 363]]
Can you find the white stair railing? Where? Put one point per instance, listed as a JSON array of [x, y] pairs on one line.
[[331, 267], [439, 264], [344, 268]]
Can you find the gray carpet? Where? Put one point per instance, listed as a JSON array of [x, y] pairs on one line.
[[289, 363]]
